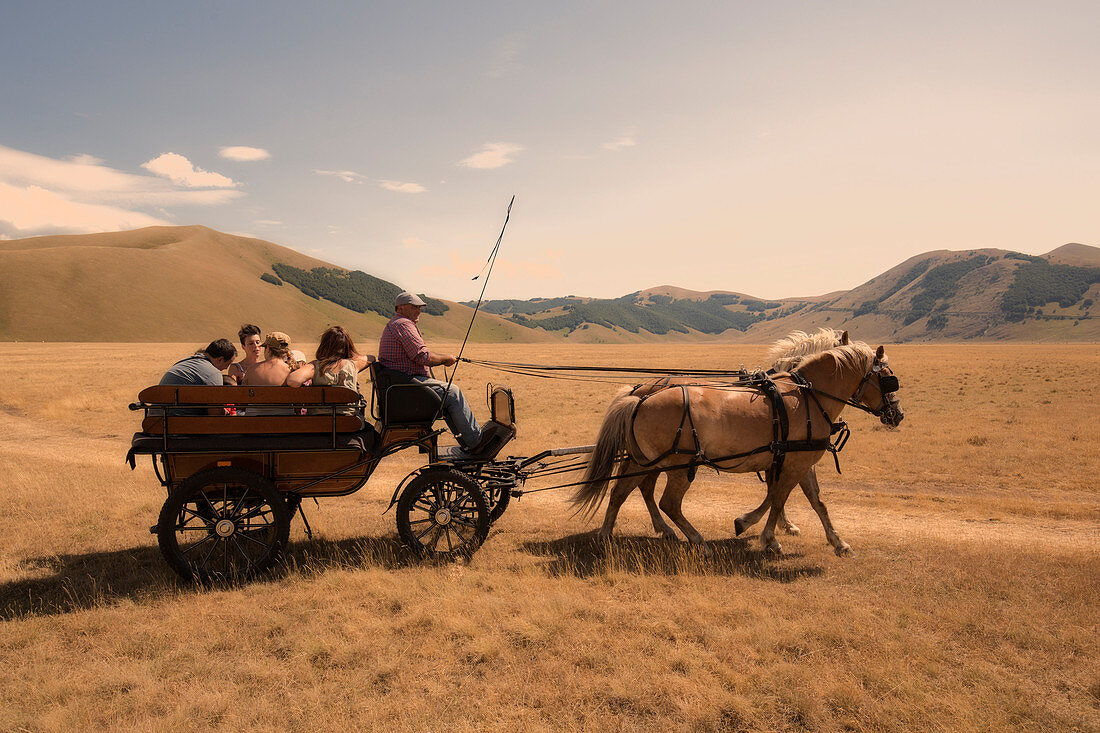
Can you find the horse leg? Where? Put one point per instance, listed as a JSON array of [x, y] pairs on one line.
[[648, 485], [677, 485], [811, 489], [778, 491], [748, 519], [621, 489], [745, 521]]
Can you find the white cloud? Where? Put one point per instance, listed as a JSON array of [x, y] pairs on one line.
[[244, 153], [627, 139], [492, 155], [182, 172], [42, 195], [345, 176], [36, 209], [268, 223], [402, 187]]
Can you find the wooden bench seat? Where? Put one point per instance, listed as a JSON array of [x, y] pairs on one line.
[[164, 394], [320, 400]]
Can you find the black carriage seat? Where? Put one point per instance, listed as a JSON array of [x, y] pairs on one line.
[[401, 402]]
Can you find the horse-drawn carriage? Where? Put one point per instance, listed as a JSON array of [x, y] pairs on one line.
[[238, 461], [235, 481]]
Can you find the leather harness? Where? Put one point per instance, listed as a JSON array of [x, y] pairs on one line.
[[781, 443]]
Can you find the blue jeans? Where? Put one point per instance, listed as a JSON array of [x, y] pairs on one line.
[[456, 411]]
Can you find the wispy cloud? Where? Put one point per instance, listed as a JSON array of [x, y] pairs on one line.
[[492, 155], [402, 187], [182, 172], [413, 242], [244, 153], [268, 223], [345, 176], [43, 195], [628, 139], [505, 56]]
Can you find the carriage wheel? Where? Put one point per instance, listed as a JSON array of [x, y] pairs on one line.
[[443, 513], [223, 524]]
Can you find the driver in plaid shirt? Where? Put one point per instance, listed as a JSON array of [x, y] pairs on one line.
[[402, 349]]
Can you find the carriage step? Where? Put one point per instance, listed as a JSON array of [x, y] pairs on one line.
[[153, 529]]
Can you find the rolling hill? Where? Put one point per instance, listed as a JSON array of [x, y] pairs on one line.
[[192, 283], [984, 293], [188, 283]]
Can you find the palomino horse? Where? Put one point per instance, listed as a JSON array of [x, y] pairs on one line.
[[786, 353], [731, 429]]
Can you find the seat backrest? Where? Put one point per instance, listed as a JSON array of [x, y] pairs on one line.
[[502, 406], [402, 401]]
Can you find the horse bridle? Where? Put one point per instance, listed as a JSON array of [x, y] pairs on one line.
[[887, 384]]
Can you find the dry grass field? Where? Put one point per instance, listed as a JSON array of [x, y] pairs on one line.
[[972, 601]]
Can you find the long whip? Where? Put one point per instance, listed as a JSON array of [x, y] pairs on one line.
[[488, 270]]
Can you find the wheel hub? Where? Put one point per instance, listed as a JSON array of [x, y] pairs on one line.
[[443, 516], [224, 528]]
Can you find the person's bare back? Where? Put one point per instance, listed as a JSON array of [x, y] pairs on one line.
[[272, 371]]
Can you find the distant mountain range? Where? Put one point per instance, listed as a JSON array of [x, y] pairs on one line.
[[194, 284], [983, 293]]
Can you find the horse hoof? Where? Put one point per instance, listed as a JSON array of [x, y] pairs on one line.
[[793, 530], [843, 550], [739, 526], [669, 535], [773, 549]]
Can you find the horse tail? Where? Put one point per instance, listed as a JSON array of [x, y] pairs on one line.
[[610, 443]]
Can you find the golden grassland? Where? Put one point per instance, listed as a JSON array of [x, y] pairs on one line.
[[972, 602]]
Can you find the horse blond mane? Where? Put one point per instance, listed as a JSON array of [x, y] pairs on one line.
[[857, 355], [786, 353]]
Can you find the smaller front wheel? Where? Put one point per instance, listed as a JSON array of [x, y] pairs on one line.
[[442, 513]]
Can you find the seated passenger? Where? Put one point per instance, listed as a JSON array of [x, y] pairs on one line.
[[203, 367], [273, 370], [338, 363], [251, 343]]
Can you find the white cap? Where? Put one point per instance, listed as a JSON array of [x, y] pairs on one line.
[[407, 298]]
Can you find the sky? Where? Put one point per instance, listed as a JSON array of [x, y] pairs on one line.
[[779, 149]]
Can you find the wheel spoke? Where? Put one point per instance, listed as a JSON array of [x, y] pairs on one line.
[[447, 531], [250, 538], [199, 543], [244, 554], [459, 519], [461, 536], [210, 552], [435, 540], [429, 529], [426, 505], [420, 521]]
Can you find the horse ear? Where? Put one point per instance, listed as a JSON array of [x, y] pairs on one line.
[[879, 353], [844, 339]]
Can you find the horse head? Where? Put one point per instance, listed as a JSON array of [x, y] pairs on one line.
[[878, 391]]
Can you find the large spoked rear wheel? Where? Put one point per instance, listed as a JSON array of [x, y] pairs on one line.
[[223, 524], [442, 513]]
